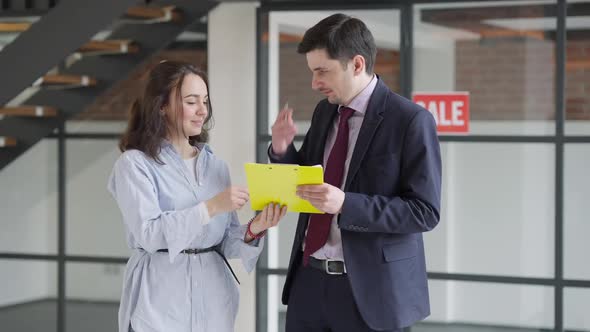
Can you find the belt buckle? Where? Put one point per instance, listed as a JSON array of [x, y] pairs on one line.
[[327, 267]]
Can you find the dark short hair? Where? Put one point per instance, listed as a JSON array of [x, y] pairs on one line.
[[147, 127], [343, 37]]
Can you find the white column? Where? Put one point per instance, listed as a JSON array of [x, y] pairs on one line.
[[232, 75]]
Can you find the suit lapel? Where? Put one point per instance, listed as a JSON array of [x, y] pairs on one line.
[[373, 118]]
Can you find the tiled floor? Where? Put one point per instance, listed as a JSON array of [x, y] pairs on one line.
[[41, 317], [102, 317]]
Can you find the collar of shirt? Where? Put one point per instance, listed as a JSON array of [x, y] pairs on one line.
[[167, 145], [167, 148], [360, 102]]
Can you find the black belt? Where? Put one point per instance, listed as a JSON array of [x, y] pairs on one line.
[[201, 251], [327, 265]]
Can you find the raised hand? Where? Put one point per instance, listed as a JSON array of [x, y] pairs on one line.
[[283, 131]]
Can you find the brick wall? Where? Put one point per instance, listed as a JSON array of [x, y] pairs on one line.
[[295, 83], [115, 103], [387, 67], [514, 78], [578, 80], [508, 78]]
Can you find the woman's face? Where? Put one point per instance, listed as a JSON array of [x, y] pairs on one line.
[[195, 107]]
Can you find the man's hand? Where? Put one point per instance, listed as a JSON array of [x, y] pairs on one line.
[[325, 197], [283, 131]]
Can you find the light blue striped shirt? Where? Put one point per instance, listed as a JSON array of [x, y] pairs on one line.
[[163, 208]]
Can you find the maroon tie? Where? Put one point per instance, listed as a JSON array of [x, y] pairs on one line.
[[319, 224]]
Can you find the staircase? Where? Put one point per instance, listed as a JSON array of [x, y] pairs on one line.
[[64, 69]]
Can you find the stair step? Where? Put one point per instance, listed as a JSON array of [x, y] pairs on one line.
[[29, 111], [65, 81], [109, 47], [154, 14], [7, 141], [14, 26]]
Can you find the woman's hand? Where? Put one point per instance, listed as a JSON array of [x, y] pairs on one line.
[[269, 217], [231, 199]]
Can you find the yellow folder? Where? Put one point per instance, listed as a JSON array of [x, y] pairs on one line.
[[278, 183]]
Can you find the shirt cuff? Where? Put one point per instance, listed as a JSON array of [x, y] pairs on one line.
[[249, 252], [273, 155], [203, 213]]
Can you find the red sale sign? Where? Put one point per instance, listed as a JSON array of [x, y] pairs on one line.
[[450, 110]]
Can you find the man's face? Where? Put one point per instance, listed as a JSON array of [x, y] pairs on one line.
[[329, 77]]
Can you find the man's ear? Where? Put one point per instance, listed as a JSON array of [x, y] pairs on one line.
[[358, 63]]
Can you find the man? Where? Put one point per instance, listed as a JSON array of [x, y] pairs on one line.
[[360, 266]]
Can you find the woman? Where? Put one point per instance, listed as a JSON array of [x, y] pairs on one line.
[[179, 211]]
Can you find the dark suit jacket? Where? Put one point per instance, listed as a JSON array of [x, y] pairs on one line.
[[393, 193]]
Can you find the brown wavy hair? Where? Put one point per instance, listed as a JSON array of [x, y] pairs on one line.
[[147, 126]]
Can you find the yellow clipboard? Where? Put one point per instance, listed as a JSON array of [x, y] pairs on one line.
[[278, 183]]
